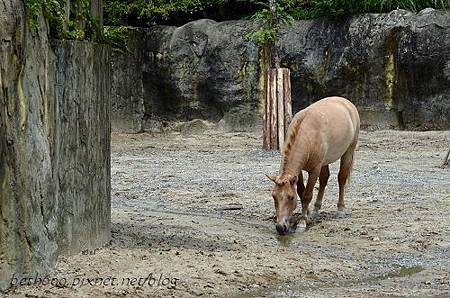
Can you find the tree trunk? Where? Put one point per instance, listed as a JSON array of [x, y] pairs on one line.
[[275, 59]]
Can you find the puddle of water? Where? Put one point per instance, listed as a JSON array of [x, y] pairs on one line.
[[285, 240], [280, 291], [295, 290], [400, 272], [290, 239]]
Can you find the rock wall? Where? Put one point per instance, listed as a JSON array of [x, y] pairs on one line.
[[81, 152], [202, 70], [395, 67], [127, 105], [54, 146]]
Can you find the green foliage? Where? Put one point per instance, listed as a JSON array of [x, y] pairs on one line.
[[79, 25], [266, 35], [304, 9], [53, 11], [289, 10], [152, 11], [117, 37], [117, 12], [165, 8], [263, 36], [149, 12]]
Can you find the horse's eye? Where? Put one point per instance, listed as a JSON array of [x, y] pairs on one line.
[[291, 199]]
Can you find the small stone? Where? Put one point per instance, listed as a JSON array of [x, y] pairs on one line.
[[221, 272]]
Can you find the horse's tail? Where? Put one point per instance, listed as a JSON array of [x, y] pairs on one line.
[[349, 177]]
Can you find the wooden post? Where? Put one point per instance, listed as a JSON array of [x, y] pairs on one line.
[[277, 108], [280, 106], [287, 100], [273, 109], [266, 113]]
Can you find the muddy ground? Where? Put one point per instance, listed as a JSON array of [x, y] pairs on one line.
[[194, 213]]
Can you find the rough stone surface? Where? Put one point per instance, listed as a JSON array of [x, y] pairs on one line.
[[200, 70], [240, 118], [127, 104], [395, 67], [54, 146], [28, 241], [81, 145]]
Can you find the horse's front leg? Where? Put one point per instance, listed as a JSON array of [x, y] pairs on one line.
[[307, 197], [323, 179], [300, 185]]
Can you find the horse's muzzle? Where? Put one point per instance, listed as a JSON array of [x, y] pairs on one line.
[[287, 227], [282, 229]]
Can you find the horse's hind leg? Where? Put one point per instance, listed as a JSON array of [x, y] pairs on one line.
[[323, 180], [344, 173]]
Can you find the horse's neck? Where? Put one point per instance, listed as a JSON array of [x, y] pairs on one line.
[[294, 159]]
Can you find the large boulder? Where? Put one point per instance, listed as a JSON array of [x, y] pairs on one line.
[[200, 70]]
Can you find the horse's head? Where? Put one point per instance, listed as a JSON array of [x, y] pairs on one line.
[[285, 198]]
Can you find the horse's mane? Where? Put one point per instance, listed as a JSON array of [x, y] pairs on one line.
[[290, 140]]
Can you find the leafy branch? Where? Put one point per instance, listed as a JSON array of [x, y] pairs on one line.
[[117, 37], [79, 24], [271, 19], [271, 16]]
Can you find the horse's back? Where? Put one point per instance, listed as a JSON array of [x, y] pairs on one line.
[[335, 121], [338, 109]]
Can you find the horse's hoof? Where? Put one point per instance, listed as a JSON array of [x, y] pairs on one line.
[[301, 226], [341, 213]]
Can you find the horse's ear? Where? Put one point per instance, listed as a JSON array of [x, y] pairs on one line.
[[272, 178], [293, 180]]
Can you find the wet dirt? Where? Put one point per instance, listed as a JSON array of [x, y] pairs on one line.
[[192, 216]]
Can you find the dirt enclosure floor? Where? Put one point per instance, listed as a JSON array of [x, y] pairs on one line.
[[191, 216]]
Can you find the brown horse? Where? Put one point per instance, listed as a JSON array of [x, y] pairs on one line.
[[318, 135]]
